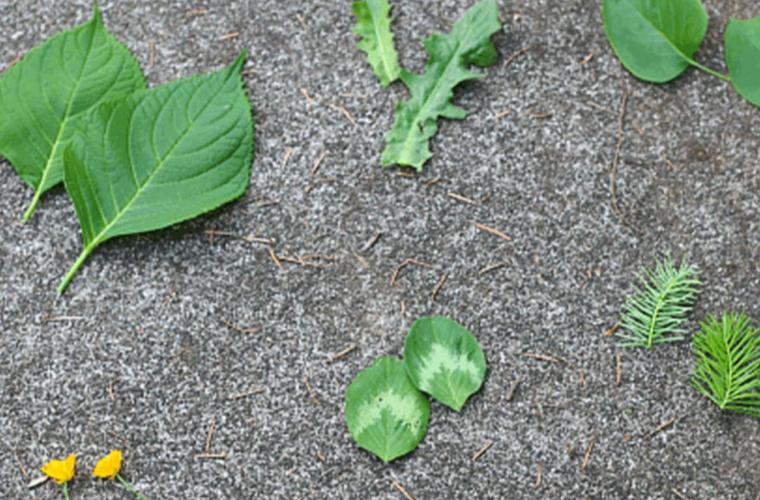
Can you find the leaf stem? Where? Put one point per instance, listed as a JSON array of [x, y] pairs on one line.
[[74, 269], [33, 206], [130, 488], [710, 71], [66, 490]]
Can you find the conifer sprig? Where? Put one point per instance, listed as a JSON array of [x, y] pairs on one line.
[[728, 363], [654, 313]]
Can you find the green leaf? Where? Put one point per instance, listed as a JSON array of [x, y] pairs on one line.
[[444, 360], [742, 56], [42, 96], [385, 414], [430, 94], [374, 26], [728, 363], [655, 39], [160, 157], [658, 307]]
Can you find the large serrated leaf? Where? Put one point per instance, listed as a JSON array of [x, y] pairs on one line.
[[385, 414], [430, 94], [742, 42], [42, 96], [160, 157], [374, 26], [444, 360], [655, 39]]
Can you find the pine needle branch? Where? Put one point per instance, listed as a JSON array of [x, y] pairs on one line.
[[728, 363], [659, 305]]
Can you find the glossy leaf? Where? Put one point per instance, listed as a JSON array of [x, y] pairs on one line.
[[374, 26], [385, 413], [430, 94], [160, 157], [42, 96], [444, 360], [655, 39], [742, 56]]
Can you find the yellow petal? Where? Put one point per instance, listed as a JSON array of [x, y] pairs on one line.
[[61, 471], [108, 466]]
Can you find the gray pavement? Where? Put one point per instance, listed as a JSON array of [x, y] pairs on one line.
[[138, 354]]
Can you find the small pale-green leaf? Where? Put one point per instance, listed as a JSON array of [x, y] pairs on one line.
[[655, 39], [430, 94], [374, 26], [160, 157], [444, 360], [53, 85], [385, 413], [742, 56]]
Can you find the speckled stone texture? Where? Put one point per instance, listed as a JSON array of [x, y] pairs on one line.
[[137, 354]]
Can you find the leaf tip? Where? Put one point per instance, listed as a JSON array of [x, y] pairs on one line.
[[97, 16], [240, 61]]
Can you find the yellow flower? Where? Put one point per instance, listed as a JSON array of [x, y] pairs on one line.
[[109, 466], [61, 471]]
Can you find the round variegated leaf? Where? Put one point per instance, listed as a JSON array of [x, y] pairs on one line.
[[385, 413], [444, 360]]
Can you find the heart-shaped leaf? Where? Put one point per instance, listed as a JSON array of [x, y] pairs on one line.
[[57, 82], [655, 39], [385, 413], [444, 360], [742, 56], [160, 157]]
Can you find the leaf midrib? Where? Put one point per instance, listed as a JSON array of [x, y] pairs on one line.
[[385, 51], [408, 143], [56, 142], [686, 58], [730, 377], [103, 234], [656, 314]]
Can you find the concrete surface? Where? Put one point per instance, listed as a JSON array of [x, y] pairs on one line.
[[137, 355]]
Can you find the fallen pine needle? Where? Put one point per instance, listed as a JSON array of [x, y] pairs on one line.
[[274, 258], [210, 437], [342, 354], [402, 490], [493, 267], [372, 242], [243, 395], [495, 232], [239, 329], [543, 357], [439, 286], [318, 163], [405, 263], [461, 198], [679, 494], [587, 455], [515, 55], [211, 456], [663, 426], [312, 392], [482, 451], [513, 389], [36, 483], [305, 94], [612, 330]]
